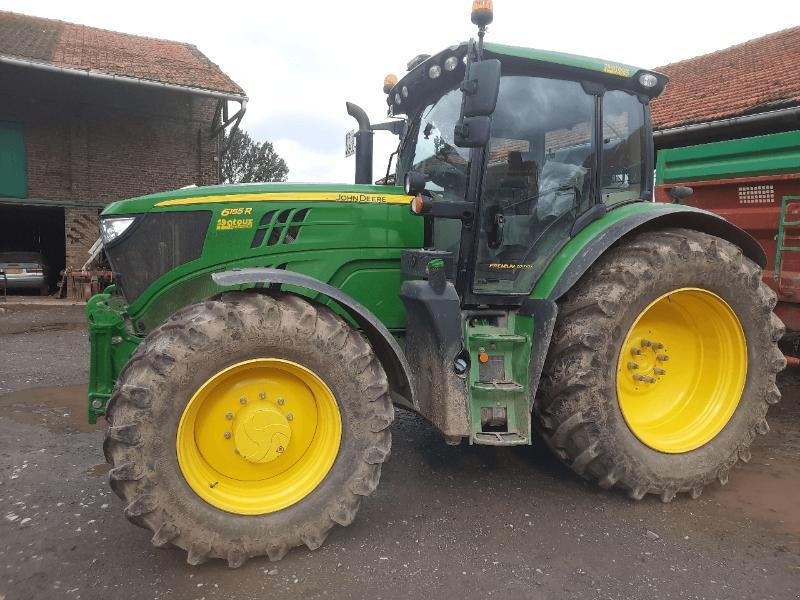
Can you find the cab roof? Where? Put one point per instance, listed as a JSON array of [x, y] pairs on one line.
[[555, 64]]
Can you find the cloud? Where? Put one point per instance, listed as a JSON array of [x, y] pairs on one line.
[[308, 165]]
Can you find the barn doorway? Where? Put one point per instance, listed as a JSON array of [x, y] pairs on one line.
[[35, 229]]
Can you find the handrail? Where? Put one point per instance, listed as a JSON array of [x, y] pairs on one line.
[[782, 225]]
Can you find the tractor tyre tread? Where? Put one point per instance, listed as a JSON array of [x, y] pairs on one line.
[[136, 414], [578, 392]]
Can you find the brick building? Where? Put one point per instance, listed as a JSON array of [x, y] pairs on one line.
[[745, 90], [89, 116]]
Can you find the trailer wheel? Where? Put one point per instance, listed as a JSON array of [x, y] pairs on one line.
[[662, 365], [248, 425]]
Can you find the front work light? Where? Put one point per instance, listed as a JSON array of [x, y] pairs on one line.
[[451, 63], [114, 227], [648, 80], [434, 71]]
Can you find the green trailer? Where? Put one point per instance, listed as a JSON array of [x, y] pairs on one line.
[[521, 283]]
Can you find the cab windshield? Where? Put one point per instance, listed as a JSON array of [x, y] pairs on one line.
[[430, 149]]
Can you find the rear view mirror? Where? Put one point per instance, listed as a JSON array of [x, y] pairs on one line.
[[481, 88], [472, 132]]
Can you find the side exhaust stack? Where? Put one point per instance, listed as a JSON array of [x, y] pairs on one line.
[[364, 137]]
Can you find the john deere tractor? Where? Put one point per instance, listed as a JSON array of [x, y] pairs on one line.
[[521, 284]]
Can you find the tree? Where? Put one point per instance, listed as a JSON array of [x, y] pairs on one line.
[[247, 160]]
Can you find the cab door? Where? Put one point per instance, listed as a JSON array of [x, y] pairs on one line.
[[539, 176]]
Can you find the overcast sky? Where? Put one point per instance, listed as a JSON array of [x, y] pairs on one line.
[[300, 60]]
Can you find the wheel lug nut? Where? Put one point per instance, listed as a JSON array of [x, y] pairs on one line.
[[658, 345], [659, 371], [280, 401], [279, 450], [242, 400], [229, 416], [632, 366], [645, 378], [289, 417], [636, 351], [662, 357], [646, 343], [262, 395], [227, 435]]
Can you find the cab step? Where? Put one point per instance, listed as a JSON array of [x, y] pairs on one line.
[[499, 438]]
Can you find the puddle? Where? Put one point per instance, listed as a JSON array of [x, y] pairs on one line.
[[60, 409], [765, 491], [98, 470]]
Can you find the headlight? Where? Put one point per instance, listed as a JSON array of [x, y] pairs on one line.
[[450, 64], [648, 80], [434, 71], [114, 227]]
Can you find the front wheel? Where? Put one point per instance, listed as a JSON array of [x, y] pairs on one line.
[[248, 425], [662, 365]]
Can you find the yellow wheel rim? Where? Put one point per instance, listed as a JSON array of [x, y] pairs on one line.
[[681, 370], [259, 436]]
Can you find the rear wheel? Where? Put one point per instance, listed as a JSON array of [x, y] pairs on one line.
[[662, 365], [246, 426]]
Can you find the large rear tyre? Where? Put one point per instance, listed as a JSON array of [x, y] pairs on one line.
[[662, 365], [246, 426]]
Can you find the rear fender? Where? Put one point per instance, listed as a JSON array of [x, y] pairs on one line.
[[583, 250], [383, 342]]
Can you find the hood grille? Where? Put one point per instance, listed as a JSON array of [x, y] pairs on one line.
[[279, 227]]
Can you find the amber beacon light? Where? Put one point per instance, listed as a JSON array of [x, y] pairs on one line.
[[389, 82], [482, 12]]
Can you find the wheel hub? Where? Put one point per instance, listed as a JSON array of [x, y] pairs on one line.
[[261, 433], [647, 361]]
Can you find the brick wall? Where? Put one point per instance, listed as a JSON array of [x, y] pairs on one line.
[[80, 227], [97, 142]]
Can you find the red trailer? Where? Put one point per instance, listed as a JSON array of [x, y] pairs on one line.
[[754, 183]]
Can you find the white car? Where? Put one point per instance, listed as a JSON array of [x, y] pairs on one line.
[[23, 271]]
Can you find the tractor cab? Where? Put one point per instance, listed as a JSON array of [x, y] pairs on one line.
[[562, 140]]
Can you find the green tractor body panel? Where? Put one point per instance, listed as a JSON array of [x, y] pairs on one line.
[[347, 236]]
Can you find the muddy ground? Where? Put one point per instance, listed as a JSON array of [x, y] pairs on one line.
[[464, 522]]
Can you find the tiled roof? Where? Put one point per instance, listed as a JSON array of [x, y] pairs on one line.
[[760, 75], [88, 48]]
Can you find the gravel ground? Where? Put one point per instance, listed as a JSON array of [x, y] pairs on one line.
[[463, 522]]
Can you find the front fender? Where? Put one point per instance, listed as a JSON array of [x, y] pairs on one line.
[[383, 342]]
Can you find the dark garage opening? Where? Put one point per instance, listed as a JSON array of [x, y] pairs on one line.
[[35, 229]]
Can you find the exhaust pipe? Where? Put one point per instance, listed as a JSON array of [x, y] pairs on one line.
[[364, 137]]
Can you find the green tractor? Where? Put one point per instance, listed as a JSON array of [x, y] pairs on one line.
[[522, 283]]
